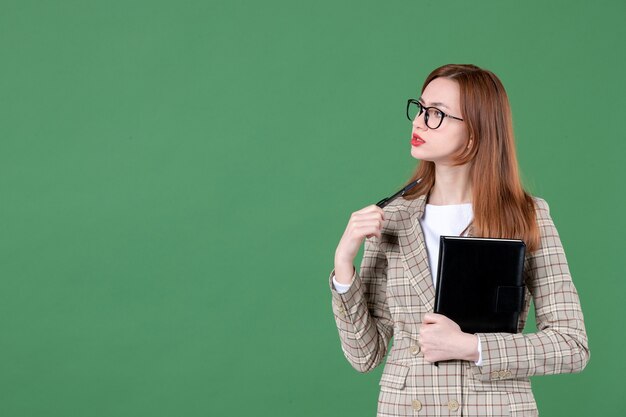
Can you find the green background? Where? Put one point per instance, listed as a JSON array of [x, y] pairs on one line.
[[175, 177]]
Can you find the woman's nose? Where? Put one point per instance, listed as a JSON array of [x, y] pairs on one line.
[[419, 122]]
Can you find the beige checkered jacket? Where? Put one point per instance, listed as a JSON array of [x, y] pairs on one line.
[[394, 289]]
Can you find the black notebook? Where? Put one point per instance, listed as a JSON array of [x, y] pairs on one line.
[[480, 283]]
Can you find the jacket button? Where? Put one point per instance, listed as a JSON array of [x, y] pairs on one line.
[[502, 374], [415, 349], [453, 405], [417, 405], [341, 310], [495, 375]]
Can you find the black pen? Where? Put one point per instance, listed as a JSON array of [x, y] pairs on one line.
[[382, 203]]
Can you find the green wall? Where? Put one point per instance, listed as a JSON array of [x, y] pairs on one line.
[[175, 177]]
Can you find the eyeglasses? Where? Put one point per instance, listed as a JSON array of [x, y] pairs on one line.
[[433, 116]]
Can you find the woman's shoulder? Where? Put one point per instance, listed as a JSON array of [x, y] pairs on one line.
[[541, 206]]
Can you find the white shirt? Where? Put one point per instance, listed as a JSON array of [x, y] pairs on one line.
[[448, 220]]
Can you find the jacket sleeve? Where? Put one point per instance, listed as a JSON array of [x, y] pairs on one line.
[[560, 343], [362, 314]]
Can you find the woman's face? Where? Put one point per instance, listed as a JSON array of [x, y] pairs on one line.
[[442, 144]]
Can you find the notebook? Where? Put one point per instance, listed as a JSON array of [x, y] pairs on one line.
[[480, 283]]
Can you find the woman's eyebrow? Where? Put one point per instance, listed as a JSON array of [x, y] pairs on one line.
[[434, 104]]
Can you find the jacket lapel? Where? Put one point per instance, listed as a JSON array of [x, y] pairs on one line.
[[413, 249]]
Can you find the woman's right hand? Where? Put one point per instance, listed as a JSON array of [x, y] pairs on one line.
[[366, 222]]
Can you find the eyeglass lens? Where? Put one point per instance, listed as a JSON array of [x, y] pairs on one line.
[[432, 118]]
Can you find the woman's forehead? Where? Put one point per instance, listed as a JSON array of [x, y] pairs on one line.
[[442, 92]]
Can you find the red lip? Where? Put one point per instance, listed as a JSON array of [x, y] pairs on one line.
[[416, 140]]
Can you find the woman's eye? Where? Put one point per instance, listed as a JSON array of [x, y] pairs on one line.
[[437, 114]]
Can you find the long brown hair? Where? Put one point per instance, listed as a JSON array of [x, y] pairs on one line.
[[502, 208]]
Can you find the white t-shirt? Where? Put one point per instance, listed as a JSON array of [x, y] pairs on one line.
[[450, 220]]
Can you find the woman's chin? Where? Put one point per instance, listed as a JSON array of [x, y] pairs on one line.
[[417, 154]]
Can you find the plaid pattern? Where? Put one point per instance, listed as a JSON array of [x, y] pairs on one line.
[[393, 290]]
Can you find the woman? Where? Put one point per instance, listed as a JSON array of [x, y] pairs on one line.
[[462, 134]]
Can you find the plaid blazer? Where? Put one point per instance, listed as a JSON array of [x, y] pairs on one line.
[[394, 289]]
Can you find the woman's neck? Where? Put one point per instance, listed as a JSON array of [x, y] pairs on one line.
[[452, 186]]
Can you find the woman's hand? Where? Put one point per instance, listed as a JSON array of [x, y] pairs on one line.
[[441, 339], [364, 223]]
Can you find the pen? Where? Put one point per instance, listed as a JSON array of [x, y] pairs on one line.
[[382, 203]]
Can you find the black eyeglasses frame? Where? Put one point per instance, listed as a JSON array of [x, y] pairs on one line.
[[424, 109]]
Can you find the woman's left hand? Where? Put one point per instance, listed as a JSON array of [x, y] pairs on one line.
[[441, 339]]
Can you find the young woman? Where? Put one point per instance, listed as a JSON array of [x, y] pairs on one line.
[[462, 134]]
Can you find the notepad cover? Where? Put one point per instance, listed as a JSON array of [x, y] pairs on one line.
[[480, 283]]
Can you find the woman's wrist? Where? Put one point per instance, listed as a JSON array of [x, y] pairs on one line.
[[470, 345], [344, 272]]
